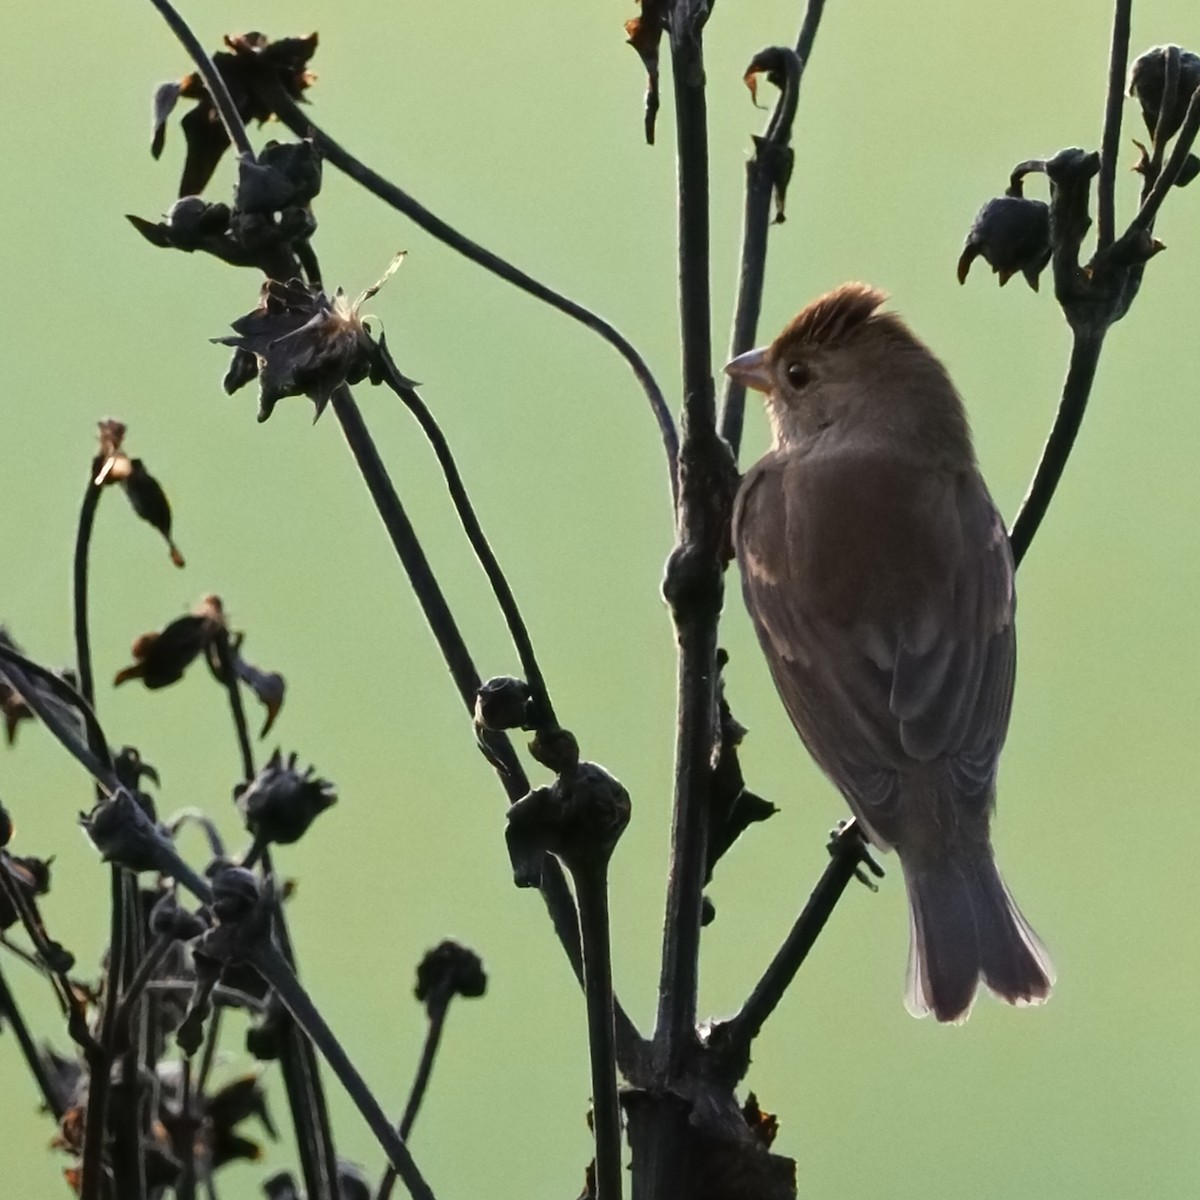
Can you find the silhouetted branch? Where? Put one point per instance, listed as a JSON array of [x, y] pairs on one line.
[[299, 122], [1110, 143], [544, 708], [730, 1041], [222, 101]]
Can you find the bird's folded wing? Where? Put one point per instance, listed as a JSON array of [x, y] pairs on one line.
[[885, 610]]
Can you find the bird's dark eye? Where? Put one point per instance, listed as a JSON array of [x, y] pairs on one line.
[[798, 374]]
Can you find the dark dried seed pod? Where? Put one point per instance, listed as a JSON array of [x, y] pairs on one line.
[[280, 803], [1147, 79], [281, 1186], [124, 834], [450, 969], [235, 892], [503, 703], [579, 819], [1011, 234]]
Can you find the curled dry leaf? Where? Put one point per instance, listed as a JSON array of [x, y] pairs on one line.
[[161, 658], [645, 36]]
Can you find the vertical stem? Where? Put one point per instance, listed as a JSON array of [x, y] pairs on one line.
[[83, 539], [425, 585], [591, 890], [33, 1057], [236, 708], [270, 964], [99, 1058], [1085, 355], [1110, 143], [693, 584], [437, 1007]]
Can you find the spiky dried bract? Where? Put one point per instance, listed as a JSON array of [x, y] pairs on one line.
[[305, 344], [281, 802]]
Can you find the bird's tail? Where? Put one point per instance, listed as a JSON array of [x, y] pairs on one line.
[[965, 925]]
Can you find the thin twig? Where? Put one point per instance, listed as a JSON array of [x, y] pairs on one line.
[[424, 584], [301, 1072], [31, 922], [226, 109], [83, 538], [437, 1007], [1085, 355], [730, 1041], [269, 963], [553, 887], [1184, 140], [301, 124], [230, 682], [591, 891], [517, 629], [763, 172], [54, 1103], [1166, 104], [99, 1059], [1110, 143], [21, 673]]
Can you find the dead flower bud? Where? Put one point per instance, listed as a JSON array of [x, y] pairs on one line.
[[304, 342], [1011, 234], [449, 969], [124, 834], [1147, 78], [285, 175], [281, 1186], [578, 818], [280, 802], [503, 702], [252, 67]]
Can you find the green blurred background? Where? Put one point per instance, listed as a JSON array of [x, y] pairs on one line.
[[522, 124]]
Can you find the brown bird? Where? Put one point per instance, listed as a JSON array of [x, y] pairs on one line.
[[878, 575]]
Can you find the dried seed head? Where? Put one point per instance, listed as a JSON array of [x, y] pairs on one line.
[[449, 969], [281, 802]]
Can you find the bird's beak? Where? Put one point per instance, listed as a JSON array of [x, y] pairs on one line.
[[752, 370]]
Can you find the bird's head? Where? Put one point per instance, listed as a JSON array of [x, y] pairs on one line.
[[842, 370]]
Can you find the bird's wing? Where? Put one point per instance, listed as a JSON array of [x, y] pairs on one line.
[[883, 599]]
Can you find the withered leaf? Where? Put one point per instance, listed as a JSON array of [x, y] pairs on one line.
[[645, 36]]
